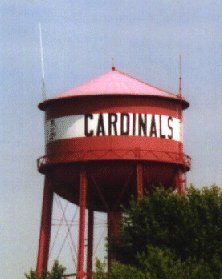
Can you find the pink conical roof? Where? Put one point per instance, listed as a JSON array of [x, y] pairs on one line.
[[115, 83]]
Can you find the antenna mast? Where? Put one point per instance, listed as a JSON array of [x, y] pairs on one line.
[[43, 88], [180, 77]]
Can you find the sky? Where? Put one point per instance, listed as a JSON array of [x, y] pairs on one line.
[[80, 38]]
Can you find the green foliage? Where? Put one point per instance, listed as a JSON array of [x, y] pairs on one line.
[[164, 264], [121, 271], [156, 264], [160, 263], [33, 275], [118, 271], [100, 272], [176, 235], [56, 272]]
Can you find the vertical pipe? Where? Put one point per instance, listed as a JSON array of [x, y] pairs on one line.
[[180, 143], [180, 176], [114, 221], [82, 203], [90, 244], [139, 180], [45, 229]]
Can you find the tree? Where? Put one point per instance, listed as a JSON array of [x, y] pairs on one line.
[[166, 232], [56, 272], [118, 271], [157, 263]]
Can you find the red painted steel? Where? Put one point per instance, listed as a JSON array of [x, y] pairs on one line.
[[139, 180], [114, 220], [90, 244], [45, 229], [115, 167], [82, 204], [180, 182], [109, 104], [110, 177], [108, 148]]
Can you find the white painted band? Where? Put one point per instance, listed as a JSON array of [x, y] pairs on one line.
[[113, 124]]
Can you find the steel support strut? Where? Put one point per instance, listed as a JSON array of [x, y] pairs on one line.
[[90, 244], [139, 181], [180, 182], [114, 221], [82, 203], [45, 229]]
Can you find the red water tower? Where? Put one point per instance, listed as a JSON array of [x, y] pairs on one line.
[[106, 140]]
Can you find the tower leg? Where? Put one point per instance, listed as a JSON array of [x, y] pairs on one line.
[[82, 203], [139, 181], [180, 181], [114, 221], [90, 244], [45, 229]]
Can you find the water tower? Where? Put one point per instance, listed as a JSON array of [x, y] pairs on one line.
[[106, 140]]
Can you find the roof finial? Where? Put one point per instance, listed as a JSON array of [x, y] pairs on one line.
[[180, 77], [113, 67]]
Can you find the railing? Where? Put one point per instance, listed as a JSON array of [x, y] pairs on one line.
[[42, 161], [45, 160], [187, 161], [69, 275]]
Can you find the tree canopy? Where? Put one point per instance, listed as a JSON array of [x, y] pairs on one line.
[[56, 272], [167, 235]]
